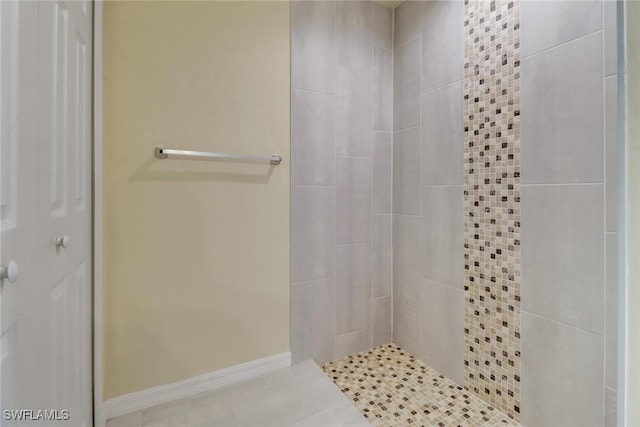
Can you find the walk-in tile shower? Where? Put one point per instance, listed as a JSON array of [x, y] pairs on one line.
[[454, 192]]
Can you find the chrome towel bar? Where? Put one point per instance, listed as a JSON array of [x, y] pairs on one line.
[[163, 153]]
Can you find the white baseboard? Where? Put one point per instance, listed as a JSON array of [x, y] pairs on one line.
[[144, 399]]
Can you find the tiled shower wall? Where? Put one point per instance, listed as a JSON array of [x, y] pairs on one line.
[[569, 214], [492, 261], [341, 178], [352, 114], [568, 227], [429, 298]]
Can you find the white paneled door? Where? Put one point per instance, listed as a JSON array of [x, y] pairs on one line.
[[45, 192]]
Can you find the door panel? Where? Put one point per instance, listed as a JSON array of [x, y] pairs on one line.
[[55, 64], [9, 108], [19, 331], [65, 36], [81, 121], [59, 307], [46, 314], [9, 367]]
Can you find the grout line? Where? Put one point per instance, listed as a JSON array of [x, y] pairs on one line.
[[408, 302], [291, 186], [453, 287], [304, 282], [605, 214], [318, 92], [375, 46], [353, 157], [393, 97], [563, 324], [602, 25], [531, 55], [406, 214], [372, 227], [423, 186], [353, 332], [335, 180], [567, 184], [409, 40], [420, 201], [407, 128], [444, 86], [347, 245]]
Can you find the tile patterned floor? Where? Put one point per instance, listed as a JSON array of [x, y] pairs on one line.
[[392, 388]]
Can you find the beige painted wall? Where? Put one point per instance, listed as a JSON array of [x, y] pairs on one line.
[[196, 253]]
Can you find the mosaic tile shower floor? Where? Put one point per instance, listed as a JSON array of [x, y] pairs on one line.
[[392, 388]]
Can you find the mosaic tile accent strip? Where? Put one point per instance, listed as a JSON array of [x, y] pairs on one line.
[[492, 202], [392, 388]]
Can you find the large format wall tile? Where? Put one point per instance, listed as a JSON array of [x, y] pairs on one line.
[[443, 234], [382, 27], [561, 375], [406, 85], [442, 44], [610, 37], [353, 111], [406, 171], [381, 321], [353, 200], [442, 329], [562, 254], [354, 21], [342, 154], [546, 24], [611, 311], [442, 136], [312, 321], [353, 288], [353, 342], [312, 229], [610, 407], [406, 257], [382, 89], [562, 121], [312, 45], [407, 22], [406, 325], [382, 269], [611, 151], [381, 196], [312, 139]]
